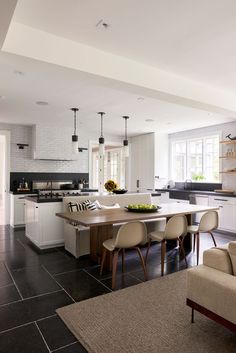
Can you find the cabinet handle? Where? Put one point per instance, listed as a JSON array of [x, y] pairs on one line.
[[221, 200], [220, 206], [36, 207]]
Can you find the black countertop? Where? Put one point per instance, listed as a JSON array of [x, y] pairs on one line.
[[23, 192], [198, 192]]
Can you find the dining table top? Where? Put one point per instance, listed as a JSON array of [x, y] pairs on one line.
[[102, 217]]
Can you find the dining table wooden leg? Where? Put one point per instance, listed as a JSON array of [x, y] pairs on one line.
[[98, 235], [188, 238]]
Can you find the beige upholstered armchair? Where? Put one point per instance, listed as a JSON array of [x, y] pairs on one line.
[[211, 287]]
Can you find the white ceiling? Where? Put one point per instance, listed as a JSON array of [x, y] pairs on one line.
[[194, 39]]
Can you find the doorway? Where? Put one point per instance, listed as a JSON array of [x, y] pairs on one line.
[[4, 177]]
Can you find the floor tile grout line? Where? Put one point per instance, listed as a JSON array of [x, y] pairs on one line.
[[46, 317], [7, 285], [14, 281], [137, 278], [110, 290], [15, 327], [25, 299], [45, 342], [70, 271], [59, 284], [67, 345]]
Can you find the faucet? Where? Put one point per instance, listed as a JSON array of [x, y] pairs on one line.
[[186, 184]]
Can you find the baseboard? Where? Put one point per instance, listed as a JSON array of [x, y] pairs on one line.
[[211, 315]]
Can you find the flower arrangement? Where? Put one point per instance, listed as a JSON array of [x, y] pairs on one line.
[[110, 185]]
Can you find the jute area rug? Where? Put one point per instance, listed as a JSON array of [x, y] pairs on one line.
[[151, 317]]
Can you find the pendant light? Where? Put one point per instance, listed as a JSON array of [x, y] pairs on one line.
[[125, 141], [101, 138], [75, 140]]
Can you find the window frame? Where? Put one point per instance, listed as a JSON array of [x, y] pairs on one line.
[[187, 156]]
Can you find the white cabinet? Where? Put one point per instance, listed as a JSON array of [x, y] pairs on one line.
[[227, 211], [43, 227], [148, 158], [17, 212]]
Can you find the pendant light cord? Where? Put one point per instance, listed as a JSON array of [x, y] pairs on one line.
[[75, 127], [101, 124]]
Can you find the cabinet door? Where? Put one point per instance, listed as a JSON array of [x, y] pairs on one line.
[[19, 214], [227, 217], [51, 226], [32, 227]]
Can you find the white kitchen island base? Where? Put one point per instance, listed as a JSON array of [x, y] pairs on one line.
[[42, 227]]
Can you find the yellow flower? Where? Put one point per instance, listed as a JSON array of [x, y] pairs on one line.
[[110, 185]]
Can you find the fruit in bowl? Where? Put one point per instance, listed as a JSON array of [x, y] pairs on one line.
[[142, 207]]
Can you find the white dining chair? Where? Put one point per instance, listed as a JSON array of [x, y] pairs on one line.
[[130, 235], [176, 229], [208, 222]]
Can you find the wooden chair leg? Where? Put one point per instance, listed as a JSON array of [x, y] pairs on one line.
[[198, 245], [181, 244], [213, 238], [142, 262], [163, 254], [104, 252], [148, 248], [114, 267], [194, 241], [123, 260], [192, 316]]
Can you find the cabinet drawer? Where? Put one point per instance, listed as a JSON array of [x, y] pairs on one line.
[[213, 200]]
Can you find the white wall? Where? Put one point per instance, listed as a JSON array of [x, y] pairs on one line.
[[2, 166], [22, 161], [228, 180]]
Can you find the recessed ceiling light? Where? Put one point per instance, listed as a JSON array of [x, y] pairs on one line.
[[42, 103], [102, 25], [18, 72], [149, 120]]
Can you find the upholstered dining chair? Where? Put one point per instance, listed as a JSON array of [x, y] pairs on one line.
[[208, 223], [176, 229], [130, 235]]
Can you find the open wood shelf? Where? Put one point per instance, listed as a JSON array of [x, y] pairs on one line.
[[227, 157], [228, 142], [228, 172]]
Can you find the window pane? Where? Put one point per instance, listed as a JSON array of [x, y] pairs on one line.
[[179, 161], [197, 159]]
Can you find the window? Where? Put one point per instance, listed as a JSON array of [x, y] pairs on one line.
[[196, 159], [114, 166]]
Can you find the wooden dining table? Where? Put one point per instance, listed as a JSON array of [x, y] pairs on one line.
[[101, 223]]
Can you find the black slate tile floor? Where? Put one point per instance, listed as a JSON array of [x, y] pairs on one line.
[[34, 284]]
